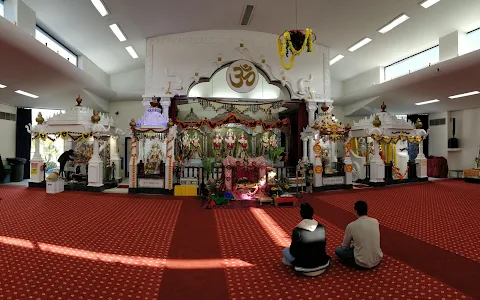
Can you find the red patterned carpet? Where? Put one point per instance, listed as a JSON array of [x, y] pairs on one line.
[[110, 246], [444, 213]]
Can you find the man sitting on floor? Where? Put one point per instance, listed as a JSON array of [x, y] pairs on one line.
[[361, 244], [307, 250]]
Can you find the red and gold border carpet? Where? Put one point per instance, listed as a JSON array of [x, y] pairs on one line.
[[110, 246]]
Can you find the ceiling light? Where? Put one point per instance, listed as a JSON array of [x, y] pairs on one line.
[[397, 21], [464, 95], [132, 51], [336, 58], [100, 6], [118, 32], [427, 102], [428, 3], [26, 94], [360, 44], [2, 86]]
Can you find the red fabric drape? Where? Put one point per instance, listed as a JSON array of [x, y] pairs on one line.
[[172, 111]]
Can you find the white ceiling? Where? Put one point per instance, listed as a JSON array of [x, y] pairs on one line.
[[337, 24]]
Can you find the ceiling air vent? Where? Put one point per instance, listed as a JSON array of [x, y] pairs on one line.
[[247, 14]]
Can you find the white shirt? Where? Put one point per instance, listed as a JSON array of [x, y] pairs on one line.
[[364, 235]]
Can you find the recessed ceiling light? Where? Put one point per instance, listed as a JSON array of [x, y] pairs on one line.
[[464, 95], [2, 86], [428, 3], [118, 32], [132, 51], [26, 94], [360, 44], [397, 21], [336, 58], [100, 6], [427, 102]]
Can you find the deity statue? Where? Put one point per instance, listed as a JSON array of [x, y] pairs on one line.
[[273, 142], [154, 159], [186, 143], [217, 144], [242, 150], [265, 143], [196, 146], [230, 140]]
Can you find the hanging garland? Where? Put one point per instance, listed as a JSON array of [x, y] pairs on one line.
[[239, 108], [150, 133], [293, 43], [395, 169], [74, 136], [233, 119]]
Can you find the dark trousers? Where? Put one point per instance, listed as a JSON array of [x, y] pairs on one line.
[[347, 257]]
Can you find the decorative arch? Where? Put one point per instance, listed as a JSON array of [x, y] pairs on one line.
[[216, 86]]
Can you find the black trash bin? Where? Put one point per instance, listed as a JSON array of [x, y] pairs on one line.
[[18, 168]]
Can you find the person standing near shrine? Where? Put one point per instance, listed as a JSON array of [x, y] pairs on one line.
[[64, 158], [361, 244], [307, 251]]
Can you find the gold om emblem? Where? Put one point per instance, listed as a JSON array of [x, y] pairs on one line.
[[244, 74]]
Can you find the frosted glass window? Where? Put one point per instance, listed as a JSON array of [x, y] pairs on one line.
[[474, 40], [402, 117], [413, 63], [2, 12], [55, 46]]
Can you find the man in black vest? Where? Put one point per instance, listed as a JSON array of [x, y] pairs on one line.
[[307, 251]]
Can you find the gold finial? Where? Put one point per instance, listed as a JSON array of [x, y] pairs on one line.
[[40, 118], [133, 123], [383, 107], [79, 101], [95, 117], [324, 107], [377, 122], [418, 124]]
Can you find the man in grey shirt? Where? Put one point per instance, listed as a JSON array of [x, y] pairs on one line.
[[361, 244]]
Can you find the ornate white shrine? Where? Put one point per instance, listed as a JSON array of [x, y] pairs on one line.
[[153, 155], [76, 123]]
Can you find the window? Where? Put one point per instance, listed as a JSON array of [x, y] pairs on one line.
[[473, 38], [413, 63], [51, 43], [402, 117], [2, 11]]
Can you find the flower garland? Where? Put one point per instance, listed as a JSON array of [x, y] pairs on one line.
[[240, 108], [74, 136], [285, 45], [395, 169]]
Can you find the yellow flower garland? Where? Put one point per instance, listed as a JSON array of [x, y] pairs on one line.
[[285, 41]]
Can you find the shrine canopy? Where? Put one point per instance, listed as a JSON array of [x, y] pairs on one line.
[[383, 124], [75, 123], [154, 124], [236, 118]]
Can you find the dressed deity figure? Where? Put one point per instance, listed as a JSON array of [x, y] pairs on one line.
[[217, 144], [186, 143], [230, 141], [242, 150], [196, 146], [273, 141], [155, 157], [265, 143]]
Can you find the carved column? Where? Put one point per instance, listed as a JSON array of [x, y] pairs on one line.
[[165, 104], [311, 109], [114, 158], [36, 163], [95, 167], [305, 149], [311, 155]]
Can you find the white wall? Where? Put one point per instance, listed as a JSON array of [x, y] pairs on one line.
[[468, 134], [93, 70], [131, 81], [127, 110], [438, 136], [337, 88], [7, 133], [16, 11], [363, 81]]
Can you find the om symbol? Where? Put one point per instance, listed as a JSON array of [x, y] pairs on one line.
[[242, 74]]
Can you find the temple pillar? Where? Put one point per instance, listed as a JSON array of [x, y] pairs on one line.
[[311, 109], [132, 165], [165, 104], [305, 150], [377, 166], [114, 158], [311, 155], [347, 160], [421, 162], [95, 167], [36, 163], [317, 166]]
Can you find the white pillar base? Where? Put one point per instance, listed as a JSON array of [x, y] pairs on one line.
[[421, 167], [95, 173], [377, 171], [348, 170], [317, 173], [36, 172]]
